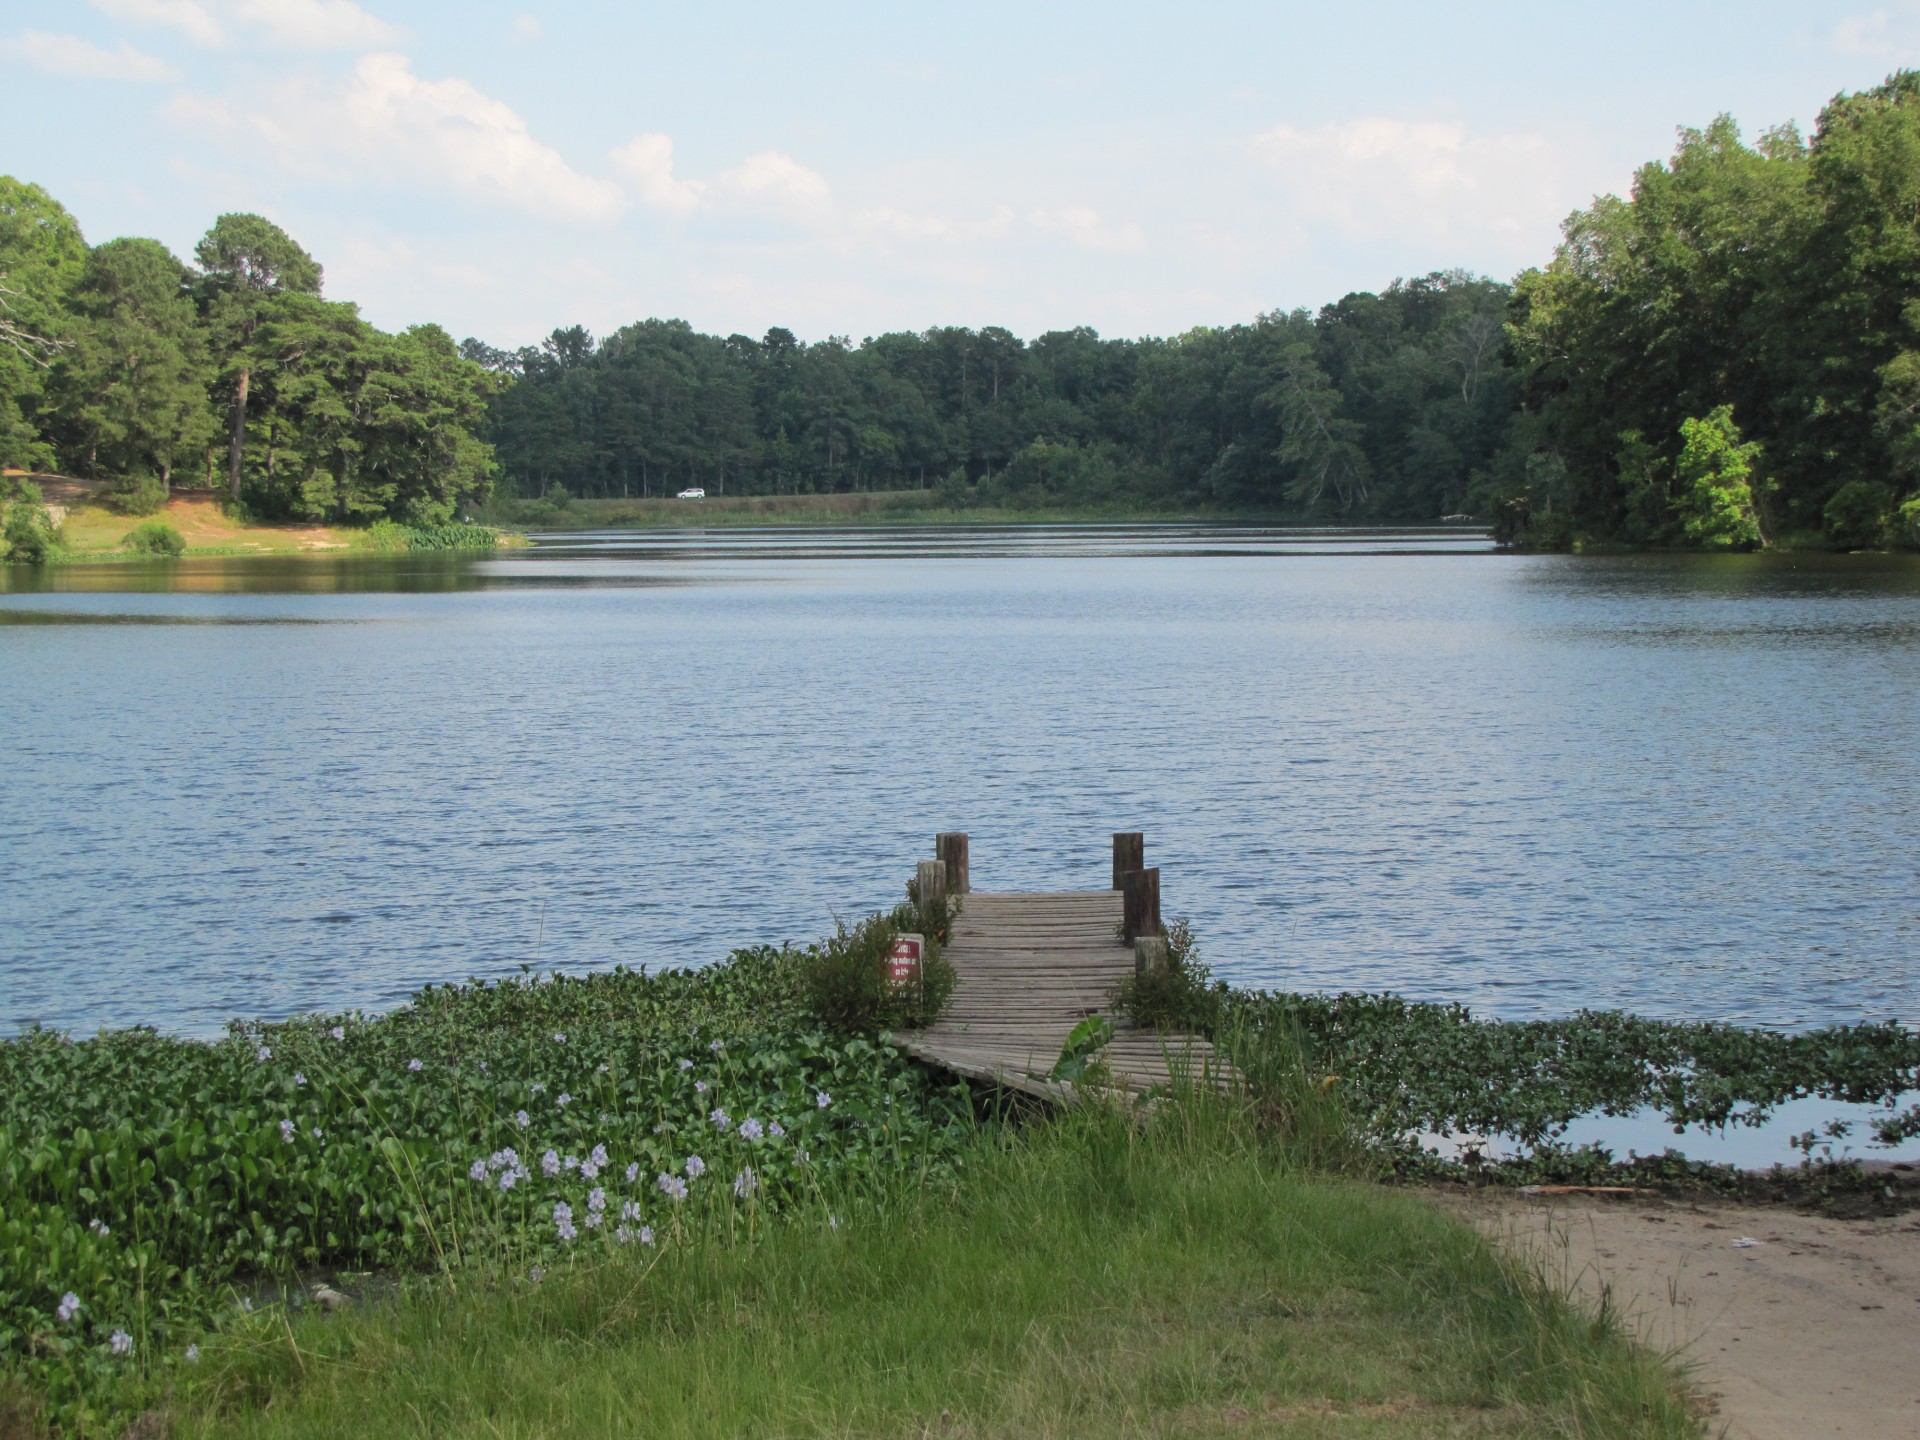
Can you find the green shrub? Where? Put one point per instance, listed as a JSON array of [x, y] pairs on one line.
[[844, 978], [1859, 514], [1177, 998], [28, 530], [387, 535], [155, 537], [137, 494]]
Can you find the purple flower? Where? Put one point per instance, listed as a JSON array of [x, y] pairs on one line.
[[603, 1068], [510, 1178], [715, 1046], [339, 1032], [686, 1064], [695, 1167], [629, 1209], [68, 1307], [746, 1183], [99, 1227], [822, 1099], [596, 1199], [776, 1130], [633, 1172], [564, 1101], [550, 1164], [286, 1131], [520, 1119], [414, 1066], [646, 1235], [193, 1355], [622, 1235], [589, 1170], [538, 1087], [699, 1087], [120, 1342], [721, 1119], [477, 1171], [298, 1078], [563, 1220], [559, 1037], [316, 1132], [599, 1156], [750, 1129], [572, 1162], [265, 1053], [673, 1187]]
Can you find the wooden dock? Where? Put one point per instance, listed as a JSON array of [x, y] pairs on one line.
[[1031, 966]]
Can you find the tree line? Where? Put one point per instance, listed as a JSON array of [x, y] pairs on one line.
[[1727, 356], [121, 362], [1390, 405]]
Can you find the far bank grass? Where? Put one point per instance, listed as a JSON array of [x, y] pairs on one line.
[[898, 507], [95, 533], [1081, 1278]]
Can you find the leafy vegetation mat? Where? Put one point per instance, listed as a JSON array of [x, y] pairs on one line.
[[155, 1186], [1413, 1066], [1082, 1277]]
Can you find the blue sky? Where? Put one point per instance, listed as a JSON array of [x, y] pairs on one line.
[[853, 168]]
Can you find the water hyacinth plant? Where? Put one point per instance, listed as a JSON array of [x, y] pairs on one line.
[[152, 1181]]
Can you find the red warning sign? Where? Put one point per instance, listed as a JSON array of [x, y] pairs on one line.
[[903, 963]]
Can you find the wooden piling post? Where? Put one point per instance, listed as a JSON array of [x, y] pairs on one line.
[[1140, 904], [951, 847], [1129, 853], [930, 882], [1150, 953]]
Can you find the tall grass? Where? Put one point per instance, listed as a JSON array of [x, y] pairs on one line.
[[1112, 1272]]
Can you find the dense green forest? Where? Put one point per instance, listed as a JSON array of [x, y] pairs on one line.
[[1727, 357], [119, 361], [1383, 405]]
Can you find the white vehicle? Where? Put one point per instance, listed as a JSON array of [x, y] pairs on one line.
[[692, 493]]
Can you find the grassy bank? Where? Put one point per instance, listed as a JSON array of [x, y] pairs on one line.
[[896, 507], [90, 528], [1087, 1276]]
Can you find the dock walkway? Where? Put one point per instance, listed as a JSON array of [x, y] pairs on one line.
[[1032, 966]]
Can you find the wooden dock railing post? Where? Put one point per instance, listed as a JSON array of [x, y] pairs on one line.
[[1140, 904], [951, 847], [930, 881], [1129, 853]]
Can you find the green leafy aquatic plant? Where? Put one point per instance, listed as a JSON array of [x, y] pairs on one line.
[[1081, 1052], [159, 1181], [1409, 1066]]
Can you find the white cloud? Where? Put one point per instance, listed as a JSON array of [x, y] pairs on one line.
[[188, 17], [767, 185], [1884, 34], [71, 56], [1083, 226], [283, 24], [386, 124], [647, 161], [1376, 176], [771, 182], [315, 24]]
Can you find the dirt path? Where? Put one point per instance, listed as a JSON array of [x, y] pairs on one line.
[[1813, 1331]]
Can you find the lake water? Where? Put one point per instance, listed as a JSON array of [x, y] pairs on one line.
[[1384, 760]]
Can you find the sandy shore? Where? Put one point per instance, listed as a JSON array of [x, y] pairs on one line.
[[1812, 1330]]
